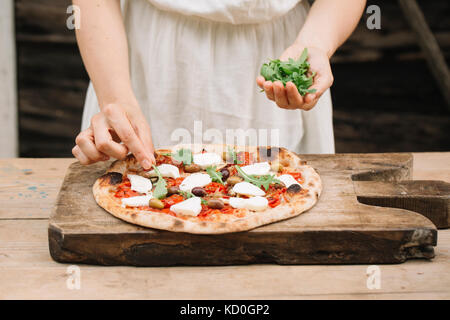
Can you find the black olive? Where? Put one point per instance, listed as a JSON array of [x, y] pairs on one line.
[[294, 188], [172, 190], [199, 192], [225, 173]]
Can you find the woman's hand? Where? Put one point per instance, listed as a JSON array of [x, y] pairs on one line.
[[288, 97], [115, 124]]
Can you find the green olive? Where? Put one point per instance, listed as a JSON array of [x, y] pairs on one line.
[[156, 203], [233, 180]]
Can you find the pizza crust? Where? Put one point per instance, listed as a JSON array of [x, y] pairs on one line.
[[298, 203]]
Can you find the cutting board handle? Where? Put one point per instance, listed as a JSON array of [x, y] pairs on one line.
[[427, 197]]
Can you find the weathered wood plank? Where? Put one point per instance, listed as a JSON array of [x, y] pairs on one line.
[[337, 230], [28, 187], [8, 93], [27, 271], [429, 198]]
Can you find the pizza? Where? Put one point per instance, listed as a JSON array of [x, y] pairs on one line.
[[209, 189]]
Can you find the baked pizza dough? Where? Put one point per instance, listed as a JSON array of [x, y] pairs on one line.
[[238, 204]]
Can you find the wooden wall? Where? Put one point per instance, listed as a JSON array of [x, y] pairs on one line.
[[8, 98], [385, 98]]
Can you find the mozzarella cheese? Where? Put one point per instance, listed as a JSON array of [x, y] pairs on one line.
[[288, 180], [248, 189], [166, 170], [207, 159], [258, 169], [138, 201], [195, 180], [139, 183], [189, 207], [253, 203]]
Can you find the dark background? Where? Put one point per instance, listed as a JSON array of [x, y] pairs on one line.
[[385, 98]]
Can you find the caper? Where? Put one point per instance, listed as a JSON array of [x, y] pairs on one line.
[[215, 203], [191, 168], [156, 203], [199, 192], [172, 190], [225, 173], [233, 180]]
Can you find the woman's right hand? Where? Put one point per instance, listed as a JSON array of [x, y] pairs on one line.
[[115, 124]]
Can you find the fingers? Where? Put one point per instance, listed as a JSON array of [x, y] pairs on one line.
[[268, 88], [77, 153], [280, 95], [143, 131], [104, 142], [294, 98], [119, 121], [321, 84], [260, 81], [85, 144]]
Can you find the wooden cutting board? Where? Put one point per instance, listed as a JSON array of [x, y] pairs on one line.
[[338, 230]]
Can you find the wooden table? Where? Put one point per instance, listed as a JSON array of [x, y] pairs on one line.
[[28, 189]]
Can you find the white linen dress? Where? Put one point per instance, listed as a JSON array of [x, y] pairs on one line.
[[193, 68]]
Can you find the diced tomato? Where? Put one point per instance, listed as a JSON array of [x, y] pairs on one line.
[[215, 187], [173, 199], [274, 201], [297, 175], [245, 158], [124, 190], [171, 182]]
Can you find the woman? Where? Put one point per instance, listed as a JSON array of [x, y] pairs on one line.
[[159, 65]]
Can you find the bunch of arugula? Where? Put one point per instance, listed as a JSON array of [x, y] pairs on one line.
[[258, 181], [292, 70]]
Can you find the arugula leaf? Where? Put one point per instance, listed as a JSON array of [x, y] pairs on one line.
[[167, 154], [183, 155], [292, 70], [160, 187], [258, 181], [233, 155], [186, 194], [215, 175]]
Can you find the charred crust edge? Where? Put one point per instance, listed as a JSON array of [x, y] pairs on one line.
[[112, 178], [294, 188]]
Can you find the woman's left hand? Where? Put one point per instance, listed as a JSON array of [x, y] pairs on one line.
[[288, 97]]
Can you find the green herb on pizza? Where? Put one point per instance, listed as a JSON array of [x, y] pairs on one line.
[[160, 186], [258, 181], [216, 176]]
